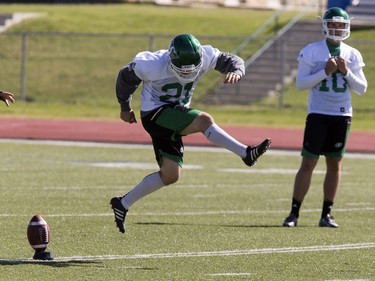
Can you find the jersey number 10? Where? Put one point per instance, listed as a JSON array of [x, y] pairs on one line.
[[335, 87]]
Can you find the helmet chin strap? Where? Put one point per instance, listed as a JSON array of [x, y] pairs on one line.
[[182, 79], [178, 72], [337, 38], [330, 33]]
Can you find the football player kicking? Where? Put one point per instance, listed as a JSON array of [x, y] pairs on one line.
[[169, 79], [330, 69]]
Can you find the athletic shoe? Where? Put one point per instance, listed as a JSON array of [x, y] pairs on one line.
[[291, 221], [254, 152], [328, 221], [120, 213]]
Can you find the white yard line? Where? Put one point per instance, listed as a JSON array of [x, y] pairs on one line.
[[288, 250], [230, 274], [205, 213], [272, 151]]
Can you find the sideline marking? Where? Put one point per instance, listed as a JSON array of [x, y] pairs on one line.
[[152, 166], [229, 274], [288, 250], [278, 152], [267, 171], [134, 165], [228, 212], [348, 280]]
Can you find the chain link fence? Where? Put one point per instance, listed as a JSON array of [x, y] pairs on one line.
[[66, 67]]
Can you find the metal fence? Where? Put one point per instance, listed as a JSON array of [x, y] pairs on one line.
[[42, 66]]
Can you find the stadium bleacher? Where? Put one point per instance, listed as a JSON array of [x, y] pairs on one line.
[[363, 14]]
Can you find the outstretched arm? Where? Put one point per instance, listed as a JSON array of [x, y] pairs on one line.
[[232, 65]]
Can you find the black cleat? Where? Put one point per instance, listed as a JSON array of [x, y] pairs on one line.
[[254, 152], [328, 221], [120, 213], [290, 221]]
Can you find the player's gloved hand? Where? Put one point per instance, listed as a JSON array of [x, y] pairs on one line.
[[341, 65], [7, 97], [128, 116], [232, 78], [331, 66]]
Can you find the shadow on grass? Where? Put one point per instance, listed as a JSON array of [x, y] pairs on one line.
[[65, 263], [226, 225], [52, 263]]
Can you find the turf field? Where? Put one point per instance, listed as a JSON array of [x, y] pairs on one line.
[[221, 221]]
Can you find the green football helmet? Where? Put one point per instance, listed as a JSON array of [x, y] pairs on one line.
[[336, 15], [185, 57]]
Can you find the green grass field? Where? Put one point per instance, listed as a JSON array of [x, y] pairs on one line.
[[221, 221]]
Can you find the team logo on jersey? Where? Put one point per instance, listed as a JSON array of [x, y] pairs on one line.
[[338, 144], [343, 109]]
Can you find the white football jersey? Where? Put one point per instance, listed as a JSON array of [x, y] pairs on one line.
[[330, 94], [160, 85]]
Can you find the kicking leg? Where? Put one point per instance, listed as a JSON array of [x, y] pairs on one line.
[[204, 123]]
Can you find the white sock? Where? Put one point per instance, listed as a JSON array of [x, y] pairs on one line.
[[218, 136], [149, 184]]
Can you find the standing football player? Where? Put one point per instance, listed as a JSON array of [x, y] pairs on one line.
[[7, 97], [169, 79], [331, 70]]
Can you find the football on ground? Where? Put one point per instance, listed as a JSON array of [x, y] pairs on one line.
[[38, 233]]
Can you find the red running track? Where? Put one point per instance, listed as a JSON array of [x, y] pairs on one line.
[[120, 132]]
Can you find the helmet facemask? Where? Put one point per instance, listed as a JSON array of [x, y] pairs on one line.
[[337, 34], [186, 73], [335, 16], [185, 57]]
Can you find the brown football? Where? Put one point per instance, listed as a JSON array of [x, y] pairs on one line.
[[38, 233]]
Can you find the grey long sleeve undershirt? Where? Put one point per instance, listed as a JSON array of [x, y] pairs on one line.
[[128, 82]]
